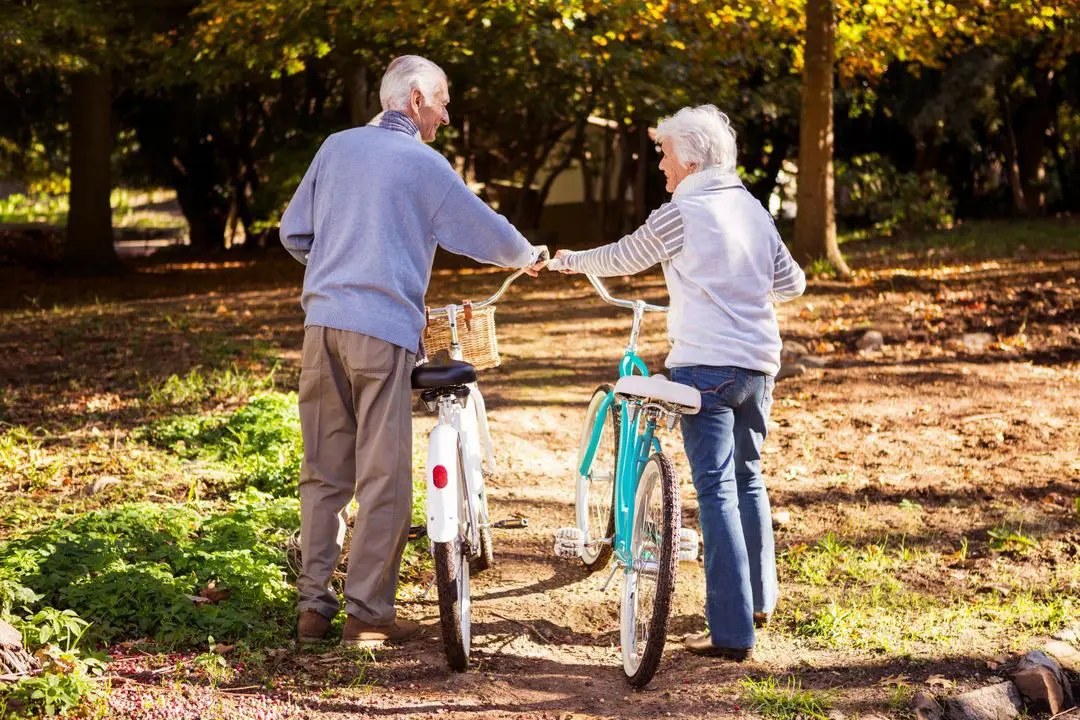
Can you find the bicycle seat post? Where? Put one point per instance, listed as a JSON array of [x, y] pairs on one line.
[[451, 319]]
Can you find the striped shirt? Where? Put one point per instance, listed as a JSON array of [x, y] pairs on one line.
[[658, 240], [661, 239]]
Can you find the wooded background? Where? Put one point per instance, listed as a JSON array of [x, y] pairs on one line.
[[933, 110]]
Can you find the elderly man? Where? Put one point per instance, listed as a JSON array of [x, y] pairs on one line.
[[365, 220], [724, 263]]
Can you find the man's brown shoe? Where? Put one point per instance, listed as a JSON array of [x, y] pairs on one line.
[[312, 626], [361, 634], [702, 644]]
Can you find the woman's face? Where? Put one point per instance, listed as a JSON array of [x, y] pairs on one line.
[[674, 169]]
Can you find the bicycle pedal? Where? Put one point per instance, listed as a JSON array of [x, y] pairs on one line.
[[569, 542], [417, 531], [689, 542], [511, 524]]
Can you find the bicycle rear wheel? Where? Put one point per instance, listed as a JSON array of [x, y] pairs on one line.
[[650, 583], [452, 583], [595, 500]]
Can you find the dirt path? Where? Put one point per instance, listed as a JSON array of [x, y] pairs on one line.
[[926, 493], [973, 441]]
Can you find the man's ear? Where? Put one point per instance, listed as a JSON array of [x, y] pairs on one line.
[[416, 100]]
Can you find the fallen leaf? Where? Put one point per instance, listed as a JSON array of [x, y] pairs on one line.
[[213, 594], [940, 681]]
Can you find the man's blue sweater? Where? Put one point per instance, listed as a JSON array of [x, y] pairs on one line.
[[366, 219]]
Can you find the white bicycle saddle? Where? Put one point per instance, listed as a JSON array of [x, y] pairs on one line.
[[657, 388]]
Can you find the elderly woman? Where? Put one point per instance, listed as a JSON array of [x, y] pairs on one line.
[[725, 265]]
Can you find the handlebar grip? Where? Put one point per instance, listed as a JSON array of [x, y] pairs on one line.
[[542, 253]]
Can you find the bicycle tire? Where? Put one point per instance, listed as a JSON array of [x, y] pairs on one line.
[[597, 557], [641, 663], [448, 582]]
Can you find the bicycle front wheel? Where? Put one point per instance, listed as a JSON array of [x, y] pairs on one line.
[[595, 500], [650, 583]]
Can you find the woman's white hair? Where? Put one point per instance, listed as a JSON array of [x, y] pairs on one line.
[[702, 135], [404, 74]]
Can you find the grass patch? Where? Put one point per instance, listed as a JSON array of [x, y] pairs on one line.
[[987, 238], [260, 443], [197, 386], [850, 597], [788, 701], [132, 571]]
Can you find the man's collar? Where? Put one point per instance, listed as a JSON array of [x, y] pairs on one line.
[[397, 122], [713, 178]]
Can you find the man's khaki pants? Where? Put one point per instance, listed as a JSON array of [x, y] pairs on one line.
[[356, 419]]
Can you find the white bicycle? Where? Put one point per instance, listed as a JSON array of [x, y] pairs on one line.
[[459, 451]]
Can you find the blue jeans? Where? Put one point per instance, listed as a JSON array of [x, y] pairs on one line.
[[723, 444]]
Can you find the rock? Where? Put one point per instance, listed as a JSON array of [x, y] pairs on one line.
[[101, 483], [994, 702], [1069, 635], [1065, 654], [926, 707], [790, 370], [812, 361], [1042, 683], [781, 517], [871, 340], [793, 350], [976, 342], [13, 658], [10, 637]]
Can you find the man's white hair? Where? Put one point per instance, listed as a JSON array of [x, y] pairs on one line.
[[702, 135], [404, 74]]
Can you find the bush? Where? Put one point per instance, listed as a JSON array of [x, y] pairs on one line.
[[871, 192], [260, 442], [133, 571]]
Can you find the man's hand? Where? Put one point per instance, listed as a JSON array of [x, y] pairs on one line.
[[534, 269], [561, 257]]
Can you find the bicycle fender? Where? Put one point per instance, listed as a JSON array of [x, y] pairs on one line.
[[443, 476]]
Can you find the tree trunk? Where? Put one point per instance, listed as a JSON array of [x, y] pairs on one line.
[[815, 222], [1012, 162], [89, 247], [764, 188], [358, 94], [1034, 118], [641, 175]]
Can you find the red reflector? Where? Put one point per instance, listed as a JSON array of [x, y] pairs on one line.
[[438, 476]]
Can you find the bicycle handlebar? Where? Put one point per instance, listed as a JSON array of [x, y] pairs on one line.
[[543, 254], [557, 264]]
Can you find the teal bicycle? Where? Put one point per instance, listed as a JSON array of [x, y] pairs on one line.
[[627, 500]]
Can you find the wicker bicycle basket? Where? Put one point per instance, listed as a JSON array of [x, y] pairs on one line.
[[479, 346]]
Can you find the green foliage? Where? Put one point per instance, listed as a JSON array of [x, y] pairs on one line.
[[820, 268], [1005, 539], [132, 571], [67, 679], [230, 383], [789, 701], [260, 443], [871, 191]]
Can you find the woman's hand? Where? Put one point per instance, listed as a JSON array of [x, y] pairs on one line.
[[561, 257]]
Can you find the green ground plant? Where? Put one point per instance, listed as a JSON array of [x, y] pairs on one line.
[[787, 701]]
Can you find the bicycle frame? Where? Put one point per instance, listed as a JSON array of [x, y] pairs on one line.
[[636, 439]]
